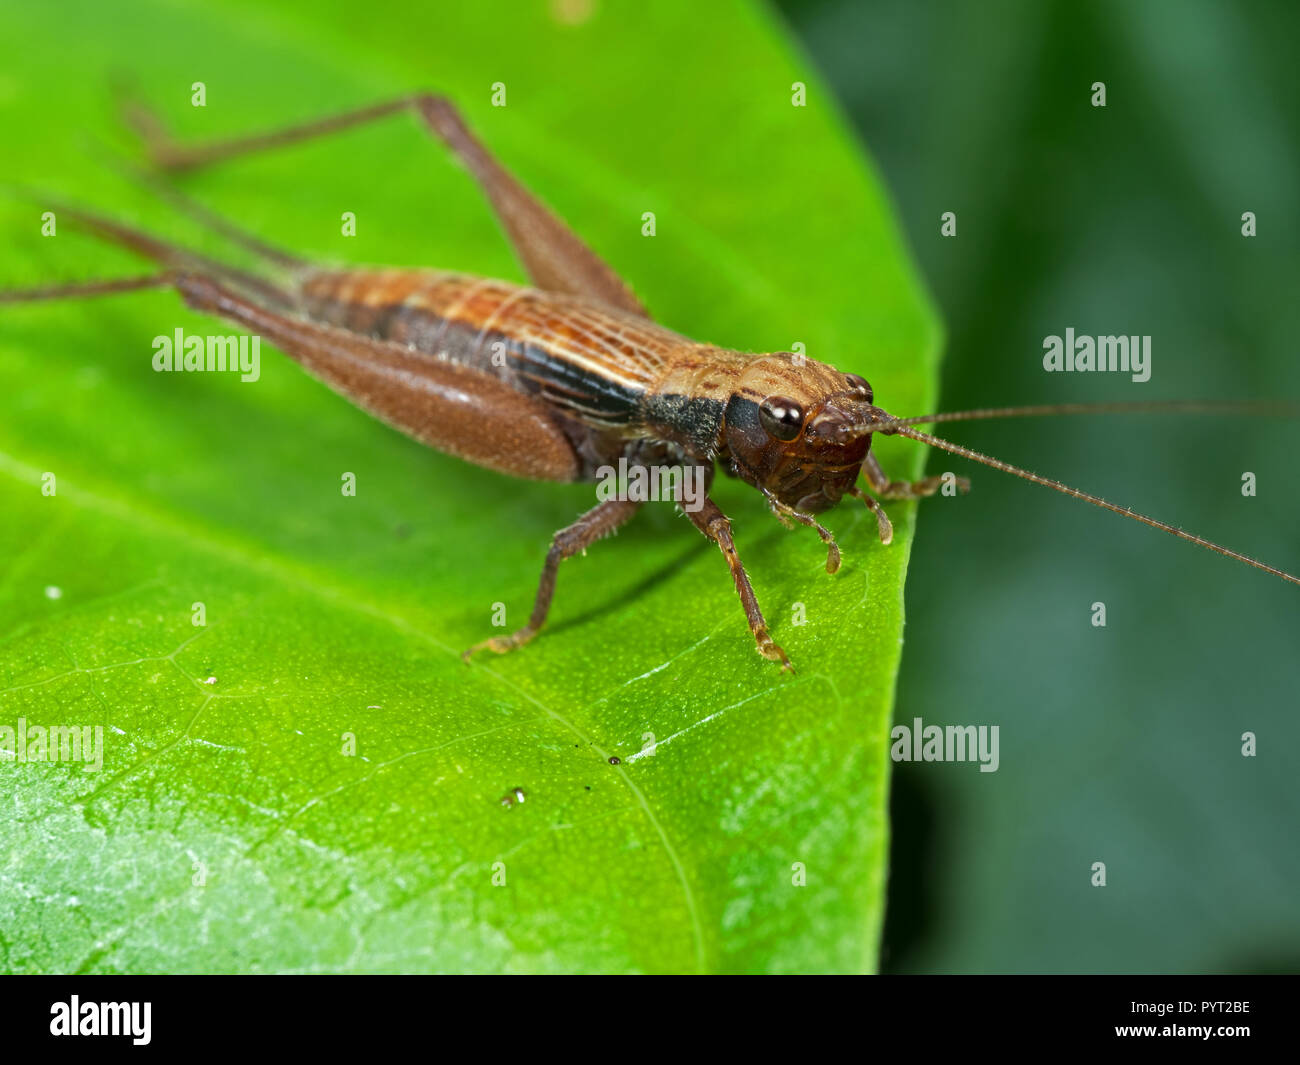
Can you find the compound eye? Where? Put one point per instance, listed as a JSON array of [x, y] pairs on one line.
[[781, 417], [859, 384]]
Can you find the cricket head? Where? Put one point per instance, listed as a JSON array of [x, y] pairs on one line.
[[800, 430]]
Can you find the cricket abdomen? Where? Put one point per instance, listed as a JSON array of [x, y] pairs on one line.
[[587, 362]]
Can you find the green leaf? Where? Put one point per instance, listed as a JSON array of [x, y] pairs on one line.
[[227, 828]]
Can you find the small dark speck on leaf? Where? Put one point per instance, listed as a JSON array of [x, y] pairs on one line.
[[615, 760]]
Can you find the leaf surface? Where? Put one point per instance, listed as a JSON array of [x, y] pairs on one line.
[[231, 825]]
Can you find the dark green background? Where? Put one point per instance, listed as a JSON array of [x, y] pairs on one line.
[[1118, 744], [330, 614]]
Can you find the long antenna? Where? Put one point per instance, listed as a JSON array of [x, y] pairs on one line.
[[1268, 408], [1006, 467]]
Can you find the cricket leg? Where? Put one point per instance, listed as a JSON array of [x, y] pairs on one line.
[[602, 520], [178, 260], [887, 489], [786, 514], [554, 256], [710, 520], [883, 523], [208, 218]]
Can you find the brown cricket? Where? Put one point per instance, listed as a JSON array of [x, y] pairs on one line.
[[558, 381]]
